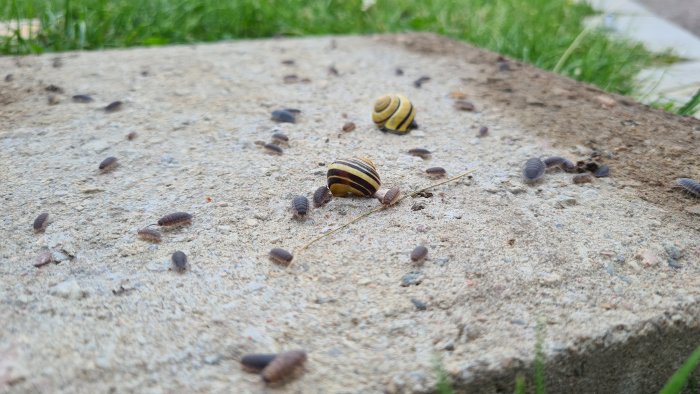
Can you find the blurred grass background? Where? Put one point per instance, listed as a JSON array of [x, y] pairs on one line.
[[534, 31]]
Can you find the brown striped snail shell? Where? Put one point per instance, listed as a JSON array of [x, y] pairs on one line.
[[394, 113], [357, 176]]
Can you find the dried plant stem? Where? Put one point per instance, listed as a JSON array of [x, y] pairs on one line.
[[454, 178]]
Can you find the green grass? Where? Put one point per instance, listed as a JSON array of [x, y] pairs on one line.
[[683, 376], [535, 31]]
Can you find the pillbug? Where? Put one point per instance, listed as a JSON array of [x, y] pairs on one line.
[[41, 222], [690, 185], [113, 106], [533, 170], [131, 136], [464, 105], [419, 253], [179, 261], [602, 171], [273, 149], [357, 176], [420, 152], [256, 362], [394, 113], [175, 219], [582, 178], [279, 138], [300, 205], [283, 116], [560, 162], [82, 98], [108, 164], [281, 256], [436, 172], [284, 365], [321, 196], [148, 234], [483, 131], [391, 196], [349, 126]]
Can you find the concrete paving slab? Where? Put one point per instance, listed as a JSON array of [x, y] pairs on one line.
[[611, 268]]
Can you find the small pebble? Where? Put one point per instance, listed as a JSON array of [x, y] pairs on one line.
[[420, 305], [9, 77], [602, 171], [273, 149], [53, 99], [420, 81], [82, 98], [283, 116], [582, 178], [131, 136], [349, 126], [673, 251], [43, 259], [412, 278], [113, 106], [398, 71], [464, 105], [483, 131], [419, 254]]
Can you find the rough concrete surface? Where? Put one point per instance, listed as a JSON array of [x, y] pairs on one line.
[[609, 269], [683, 12]]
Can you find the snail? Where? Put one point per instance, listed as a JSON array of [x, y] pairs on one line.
[[357, 176], [394, 113]]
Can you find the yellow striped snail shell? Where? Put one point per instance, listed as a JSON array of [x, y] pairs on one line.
[[357, 176], [394, 113]]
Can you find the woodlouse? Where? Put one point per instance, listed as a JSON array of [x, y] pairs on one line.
[[391, 196], [113, 106], [300, 205], [436, 172], [483, 131], [175, 219], [420, 152], [322, 195], [41, 222], [533, 170], [690, 185], [279, 138], [464, 105], [283, 116], [108, 164], [582, 178], [273, 149], [349, 126], [149, 234], [281, 256], [419, 253], [82, 98], [602, 171], [131, 136], [179, 261], [256, 362], [560, 162], [284, 366]]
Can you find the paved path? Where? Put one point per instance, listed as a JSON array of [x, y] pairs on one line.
[[685, 13]]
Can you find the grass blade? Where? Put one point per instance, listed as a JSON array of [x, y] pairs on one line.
[[692, 106], [676, 383]]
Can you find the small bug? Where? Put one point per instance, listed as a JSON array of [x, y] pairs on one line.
[[690, 185], [108, 164], [256, 362], [281, 256], [283, 116], [582, 178], [284, 365], [483, 131], [348, 127], [9, 77], [592, 166], [322, 195], [43, 259], [273, 149], [420, 152], [279, 138], [398, 71], [113, 106], [357, 176], [394, 113], [179, 261], [533, 170], [82, 98], [464, 105], [419, 254], [602, 171], [175, 219], [41, 222], [559, 162], [420, 81], [131, 136], [300, 205], [436, 172], [392, 196], [148, 234]]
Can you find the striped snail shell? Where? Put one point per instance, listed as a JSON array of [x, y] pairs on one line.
[[357, 176], [394, 113]]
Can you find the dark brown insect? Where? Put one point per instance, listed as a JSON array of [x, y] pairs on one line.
[[349, 126], [175, 219], [392, 196], [533, 170], [108, 164], [582, 178], [149, 234], [436, 172], [281, 256], [559, 162], [280, 138], [602, 171], [464, 105], [41, 222], [131, 136], [420, 152], [273, 149], [179, 261], [419, 253], [420, 81], [82, 98], [322, 195], [43, 259], [692, 186], [256, 362], [284, 366], [113, 106], [483, 131], [300, 205]]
